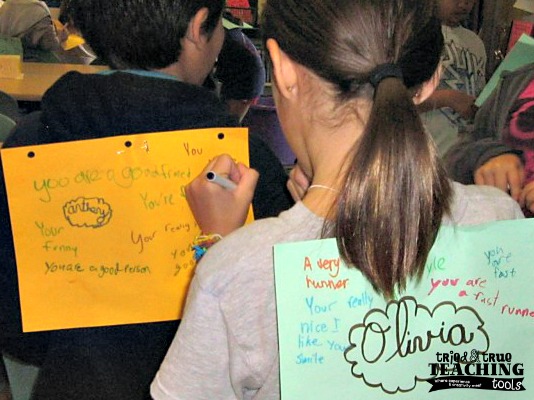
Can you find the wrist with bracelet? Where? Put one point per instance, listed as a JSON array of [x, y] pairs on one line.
[[202, 243]]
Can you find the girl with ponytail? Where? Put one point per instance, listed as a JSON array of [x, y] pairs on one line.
[[348, 75]]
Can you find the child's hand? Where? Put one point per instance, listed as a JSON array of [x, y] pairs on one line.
[[504, 172], [463, 104], [527, 197], [62, 31], [217, 209], [298, 183]]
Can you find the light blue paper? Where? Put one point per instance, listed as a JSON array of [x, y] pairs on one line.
[[476, 280], [521, 54]]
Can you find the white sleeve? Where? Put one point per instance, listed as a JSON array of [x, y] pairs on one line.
[[191, 369]]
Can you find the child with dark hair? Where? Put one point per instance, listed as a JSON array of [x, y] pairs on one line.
[[347, 78], [239, 74], [450, 110], [240, 71], [73, 49], [160, 52]]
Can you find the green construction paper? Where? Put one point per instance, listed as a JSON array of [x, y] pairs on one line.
[[230, 25], [10, 46], [521, 54], [476, 279]]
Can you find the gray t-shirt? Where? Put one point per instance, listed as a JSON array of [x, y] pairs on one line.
[[227, 344]]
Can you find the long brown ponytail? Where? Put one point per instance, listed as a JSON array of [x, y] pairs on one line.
[[395, 191]]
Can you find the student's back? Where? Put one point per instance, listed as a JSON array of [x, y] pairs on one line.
[[110, 362], [346, 78]]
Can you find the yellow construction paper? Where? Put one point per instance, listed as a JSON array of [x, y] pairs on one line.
[[72, 42], [101, 227]]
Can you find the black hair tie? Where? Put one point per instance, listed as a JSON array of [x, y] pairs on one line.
[[383, 71]]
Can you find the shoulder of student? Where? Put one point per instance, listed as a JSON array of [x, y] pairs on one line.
[[247, 254], [475, 204]]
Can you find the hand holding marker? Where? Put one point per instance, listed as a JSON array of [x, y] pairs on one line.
[[221, 181], [222, 211]]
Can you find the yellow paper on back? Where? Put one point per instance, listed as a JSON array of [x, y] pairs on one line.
[[101, 227]]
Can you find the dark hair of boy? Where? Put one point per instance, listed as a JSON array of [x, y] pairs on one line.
[[131, 34]]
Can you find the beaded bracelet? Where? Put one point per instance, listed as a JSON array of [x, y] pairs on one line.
[[202, 243]]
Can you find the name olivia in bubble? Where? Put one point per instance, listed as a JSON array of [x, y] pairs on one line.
[[405, 329]]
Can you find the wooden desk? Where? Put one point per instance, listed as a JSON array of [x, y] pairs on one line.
[[38, 77]]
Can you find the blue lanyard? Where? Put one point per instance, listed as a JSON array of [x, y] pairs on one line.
[[141, 72]]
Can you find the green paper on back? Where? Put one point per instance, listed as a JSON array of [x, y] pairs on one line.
[[442, 338], [521, 54]]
